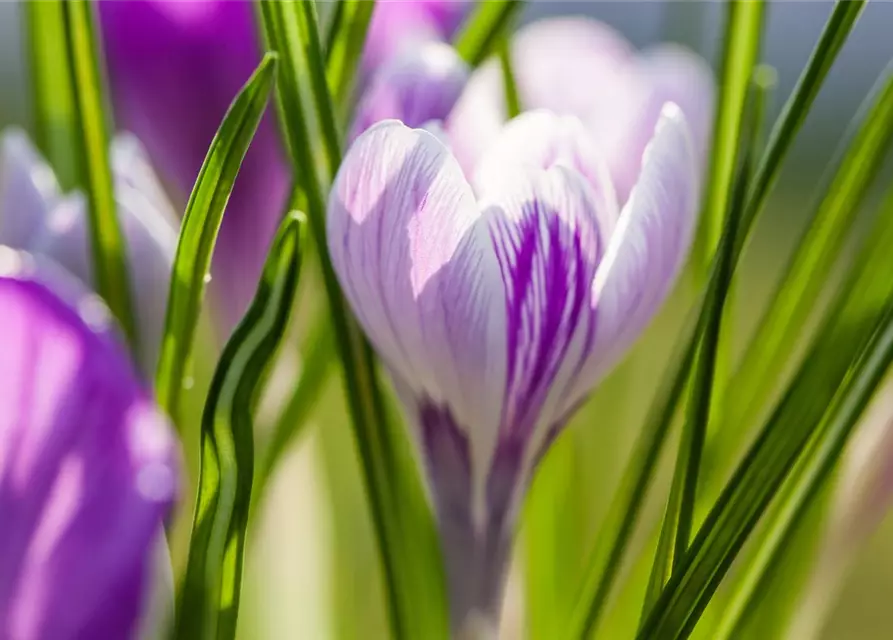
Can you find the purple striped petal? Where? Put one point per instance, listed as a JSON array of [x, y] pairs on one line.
[[649, 246], [28, 189], [416, 87], [87, 467]]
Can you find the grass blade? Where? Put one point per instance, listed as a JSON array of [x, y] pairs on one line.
[[485, 28], [210, 596], [741, 48], [52, 89], [837, 30], [512, 98], [93, 171], [868, 285], [679, 516], [198, 232], [409, 550], [345, 48], [798, 293]]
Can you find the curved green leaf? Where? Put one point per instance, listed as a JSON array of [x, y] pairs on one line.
[[209, 601], [485, 28], [198, 233]]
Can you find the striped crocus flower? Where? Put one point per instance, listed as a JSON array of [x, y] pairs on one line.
[[87, 465], [497, 303], [36, 216]]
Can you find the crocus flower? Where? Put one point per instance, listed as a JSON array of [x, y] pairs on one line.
[[37, 217], [580, 67], [400, 25], [87, 464], [498, 303], [174, 69], [419, 86]]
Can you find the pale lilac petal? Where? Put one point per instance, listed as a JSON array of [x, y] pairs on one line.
[[416, 265], [667, 73], [571, 66], [28, 189], [541, 139], [150, 238], [87, 466], [649, 246], [418, 86]]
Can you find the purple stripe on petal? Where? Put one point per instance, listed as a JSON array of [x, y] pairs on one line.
[[545, 232], [87, 466]]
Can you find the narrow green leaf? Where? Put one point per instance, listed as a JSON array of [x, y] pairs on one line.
[[837, 29], [209, 603], [868, 284], [198, 233], [52, 90], [485, 28], [94, 173], [741, 49], [345, 49], [769, 461], [679, 514], [408, 548], [798, 294], [512, 99]]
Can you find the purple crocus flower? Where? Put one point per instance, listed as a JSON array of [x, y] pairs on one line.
[[87, 465], [498, 303], [174, 69], [418, 86], [581, 67], [400, 25], [36, 216]]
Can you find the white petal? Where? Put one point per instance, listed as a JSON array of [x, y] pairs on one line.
[[416, 264], [541, 139], [650, 244]]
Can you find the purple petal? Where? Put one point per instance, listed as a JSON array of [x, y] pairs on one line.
[[28, 189], [87, 467], [416, 265], [151, 241], [398, 26], [418, 86], [649, 246], [174, 69]]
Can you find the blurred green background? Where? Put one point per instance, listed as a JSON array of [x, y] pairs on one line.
[[311, 571]]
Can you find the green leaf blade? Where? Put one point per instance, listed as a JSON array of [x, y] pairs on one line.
[[211, 591], [198, 234], [93, 168], [485, 28]]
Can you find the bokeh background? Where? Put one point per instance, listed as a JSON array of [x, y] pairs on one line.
[[311, 571]]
